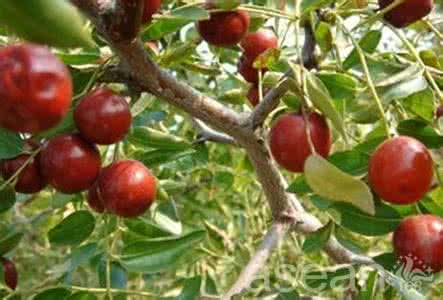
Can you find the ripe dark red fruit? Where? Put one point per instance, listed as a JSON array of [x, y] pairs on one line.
[[126, 188], [150, 8], [30, 180], [401, 170], [439, 112], [289, 142], [94, 199], [419, 239], [103, 117], [247, 70], [258, 42], [35, 88], [69, 163], [406, 13], [10, 273], [224, 29]]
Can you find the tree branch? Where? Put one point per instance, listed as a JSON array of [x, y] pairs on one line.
[[270, 241], [206, 133]]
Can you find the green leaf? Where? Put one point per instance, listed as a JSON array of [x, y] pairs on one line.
[[72, 230], [352, 162], [82, 58], [420, 104], [323, 36], [162, 27], [293, 295], [404, 89], [386, 260], [83, 296], [54, 23], [152, 256], [340, 86], [385, 219], [176, 55], [11, 144], [146, 228], [369, 290], [328, 181], [319, 96], [80, 256], [119, 277], [368, 43], [7, 198], [148, 137], [158, 157], [9, 242], [421, 131], [192, 13], [53, 294], [191, 289], [317, 240]]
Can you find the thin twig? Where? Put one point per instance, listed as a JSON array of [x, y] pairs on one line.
[[255, 264]]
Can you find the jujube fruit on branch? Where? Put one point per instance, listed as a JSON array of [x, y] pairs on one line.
[[224, 29], [289, 142], [125, 188], [407, 12], [401, 170], [30, 180], [10, 273], [35, 88], [258, 42], [103, 117], [69, 163], [420, 240], [247, 70]]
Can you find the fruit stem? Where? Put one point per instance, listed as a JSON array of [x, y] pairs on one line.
[[433, 29], [371, 85]]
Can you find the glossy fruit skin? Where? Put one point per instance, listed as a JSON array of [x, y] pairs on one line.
[[10, 273], [421, 237], [246, 69], [439, 112], [35, 88], [69, 163], [258, 42], [94, 199], [103, 117], [126, 188], [406, 13], [401, 170], [289, 143], [224, 29], [30, 180], [150, 8]]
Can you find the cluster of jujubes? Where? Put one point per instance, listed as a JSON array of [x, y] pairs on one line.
[[37, 94]]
